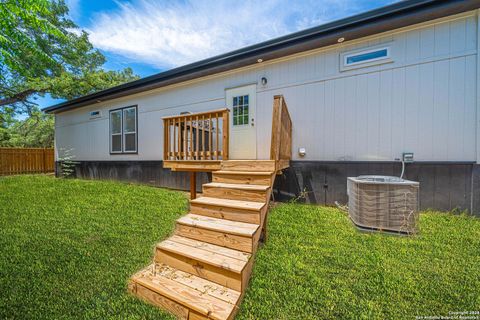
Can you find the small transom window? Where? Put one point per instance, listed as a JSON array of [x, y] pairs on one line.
[[365, 58], [240, 110]]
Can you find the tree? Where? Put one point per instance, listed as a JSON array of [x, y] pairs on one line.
[[36, 131], [43, 51], [6, 120]]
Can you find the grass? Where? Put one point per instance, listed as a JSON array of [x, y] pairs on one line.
[[68, 247], [315, 265]]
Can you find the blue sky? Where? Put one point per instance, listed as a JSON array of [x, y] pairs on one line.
[[151, 36]]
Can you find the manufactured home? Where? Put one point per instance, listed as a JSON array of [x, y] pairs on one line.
[[342, 99]]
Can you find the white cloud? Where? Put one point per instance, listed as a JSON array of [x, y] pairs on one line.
[[166, 34]]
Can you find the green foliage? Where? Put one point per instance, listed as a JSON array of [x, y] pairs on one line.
[[68, 246], [26, 28], [6, 120], [67, 163], [36, 131], [43, 51]]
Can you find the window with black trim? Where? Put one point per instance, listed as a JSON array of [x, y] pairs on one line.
[[123, 130]]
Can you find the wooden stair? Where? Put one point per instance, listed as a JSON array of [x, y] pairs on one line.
[[183, 294], [203, 269], [236, 210], [243, 177]]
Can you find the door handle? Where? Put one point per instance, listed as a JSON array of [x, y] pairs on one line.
[[253, 122]]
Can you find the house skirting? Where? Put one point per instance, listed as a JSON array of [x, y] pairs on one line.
[[144, 172], [443, 185]]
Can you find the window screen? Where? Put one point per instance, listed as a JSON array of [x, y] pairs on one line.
[[116, 131], [368, 56], [130, 129]]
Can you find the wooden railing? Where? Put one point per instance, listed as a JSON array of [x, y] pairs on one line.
[[281, 144], [199, 136], [26, 160]]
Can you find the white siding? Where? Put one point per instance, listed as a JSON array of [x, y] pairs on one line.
[[424, 102]]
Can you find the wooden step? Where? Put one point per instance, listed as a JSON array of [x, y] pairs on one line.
[[184, 295], [236, 210], [243, 177], [248, 165], [246, 192], [231, 234], [227, 267]]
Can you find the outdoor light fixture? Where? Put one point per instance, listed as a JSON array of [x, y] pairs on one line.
[[340, 40], [264, 81], [260, 60]]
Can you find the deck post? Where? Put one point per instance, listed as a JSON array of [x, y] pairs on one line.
[[193, 185], [225, 132]]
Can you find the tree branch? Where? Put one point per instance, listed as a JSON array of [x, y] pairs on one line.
[[18, 97]]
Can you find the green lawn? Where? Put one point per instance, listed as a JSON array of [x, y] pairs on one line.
[[68, 247]]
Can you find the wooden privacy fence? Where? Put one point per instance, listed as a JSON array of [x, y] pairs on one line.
[[26, 160], [197, 136], [281, 144]]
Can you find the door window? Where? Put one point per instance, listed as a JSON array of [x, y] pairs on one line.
[[240, 110]]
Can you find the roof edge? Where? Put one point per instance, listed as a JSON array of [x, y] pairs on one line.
[[379, 20]]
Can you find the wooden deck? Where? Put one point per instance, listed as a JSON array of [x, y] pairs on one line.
[[213, 165], [193, 165], [203, 270], [199, 142]]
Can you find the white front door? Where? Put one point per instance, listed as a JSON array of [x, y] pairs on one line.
[[243, 132]]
